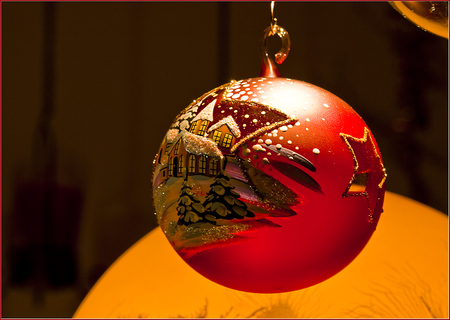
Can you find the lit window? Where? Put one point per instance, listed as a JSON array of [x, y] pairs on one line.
[[192, 163], [159, 156], [226, 143], [171, 167], [202, 165], [177, 147], [180, 164], [202, 129], [213, 166], [193, 126], [216, 136]]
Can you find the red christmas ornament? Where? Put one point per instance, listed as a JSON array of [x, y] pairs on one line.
[[268, 184]]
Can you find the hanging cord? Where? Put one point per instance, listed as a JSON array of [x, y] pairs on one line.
[[45, 153], [268, 68]]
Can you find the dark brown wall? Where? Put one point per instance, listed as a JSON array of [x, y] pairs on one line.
[[91, 88]]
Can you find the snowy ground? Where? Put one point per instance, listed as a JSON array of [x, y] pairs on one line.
[[199, 234]]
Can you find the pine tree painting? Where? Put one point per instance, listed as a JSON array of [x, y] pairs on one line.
[[222, 202], [189, 208]]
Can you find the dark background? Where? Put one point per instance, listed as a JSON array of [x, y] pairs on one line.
[[89, 90]]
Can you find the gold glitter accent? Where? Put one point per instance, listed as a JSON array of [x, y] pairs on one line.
[[363, 140], [356, 175], [224, 232], [270, 191], [260, 132], [160, 205]]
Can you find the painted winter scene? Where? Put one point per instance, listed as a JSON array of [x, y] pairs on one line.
[[210, 186]]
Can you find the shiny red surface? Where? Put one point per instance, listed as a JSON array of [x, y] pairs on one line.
[[331, 225]]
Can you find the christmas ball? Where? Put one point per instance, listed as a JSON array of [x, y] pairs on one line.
[[430, 16], [268, 185]]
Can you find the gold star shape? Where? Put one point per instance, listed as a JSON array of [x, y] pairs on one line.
[[367, 180]]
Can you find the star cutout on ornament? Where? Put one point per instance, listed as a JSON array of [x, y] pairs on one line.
[[368, 179]]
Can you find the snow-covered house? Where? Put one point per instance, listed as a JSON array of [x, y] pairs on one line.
[[202, 120], [224, 133], [198, 149], [196, 154]]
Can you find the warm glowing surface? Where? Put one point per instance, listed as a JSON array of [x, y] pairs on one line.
[[402, 273]]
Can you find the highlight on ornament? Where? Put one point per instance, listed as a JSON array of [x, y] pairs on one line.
[[268, 184]]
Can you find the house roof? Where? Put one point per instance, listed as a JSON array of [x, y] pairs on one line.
[[231, 124], [200, 145], [174, 141], [196, 144], [207, 113], [172, 134]]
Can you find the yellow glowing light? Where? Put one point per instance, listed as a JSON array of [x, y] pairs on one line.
[[427, 15], [402, 273]]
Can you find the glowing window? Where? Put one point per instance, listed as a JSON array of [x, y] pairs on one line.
[[177, 147], [202, 129], [202, 165], [171, 167], [226, 143], [213, 166], [193, 126], [192, 163], [159, 156], [180, 164], [216, 136]]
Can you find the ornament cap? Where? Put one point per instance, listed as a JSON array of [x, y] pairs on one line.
[[268, 67]]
